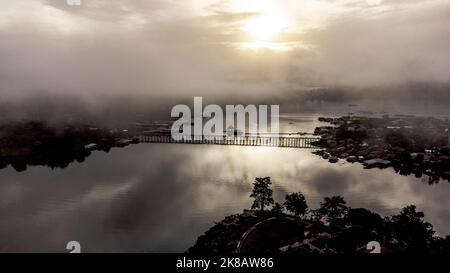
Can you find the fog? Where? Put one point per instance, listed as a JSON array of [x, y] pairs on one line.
[[177, 49]]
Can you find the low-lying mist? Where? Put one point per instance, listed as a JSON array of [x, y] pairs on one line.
[[114, 109]]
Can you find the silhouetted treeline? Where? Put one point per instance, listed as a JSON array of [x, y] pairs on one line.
[[37, 143], [334, 227]]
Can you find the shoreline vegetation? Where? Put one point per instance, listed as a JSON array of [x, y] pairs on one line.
[[31, 143], [408, 144], [334, 227]]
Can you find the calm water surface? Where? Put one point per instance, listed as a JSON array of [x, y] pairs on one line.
[[161, 197]]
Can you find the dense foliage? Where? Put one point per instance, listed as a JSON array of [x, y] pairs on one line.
[[334, 227]]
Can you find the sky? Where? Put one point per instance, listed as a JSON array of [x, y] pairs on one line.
[[172, 47]]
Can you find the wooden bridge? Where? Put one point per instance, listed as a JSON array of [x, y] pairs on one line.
[[270, 141]]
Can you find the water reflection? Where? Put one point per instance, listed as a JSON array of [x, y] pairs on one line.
[[160, 197]]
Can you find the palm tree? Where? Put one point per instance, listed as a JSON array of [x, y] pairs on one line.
[[333, 208]]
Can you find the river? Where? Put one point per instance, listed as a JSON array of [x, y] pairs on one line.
[[161, 197]]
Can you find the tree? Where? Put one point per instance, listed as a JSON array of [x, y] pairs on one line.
[[262, 193], [398, 139], [277, 208], [333, 208], [296, 203], [410, 230], [364, 218]]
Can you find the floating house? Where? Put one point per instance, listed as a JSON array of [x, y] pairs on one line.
[[377, 162]]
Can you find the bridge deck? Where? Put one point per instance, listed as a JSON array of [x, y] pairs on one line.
[[291, 142]]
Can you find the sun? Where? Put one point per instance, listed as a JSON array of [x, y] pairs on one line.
[[265, 28]]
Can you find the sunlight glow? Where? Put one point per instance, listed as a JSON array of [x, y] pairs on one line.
[[266, 45], [266, 27]]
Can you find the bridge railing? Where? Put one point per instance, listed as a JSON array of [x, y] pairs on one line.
[[271, 141]]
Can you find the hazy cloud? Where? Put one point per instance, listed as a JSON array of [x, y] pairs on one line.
[[174, 47]]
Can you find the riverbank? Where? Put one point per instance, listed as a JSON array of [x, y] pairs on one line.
[[410, 145], [30, 143]]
